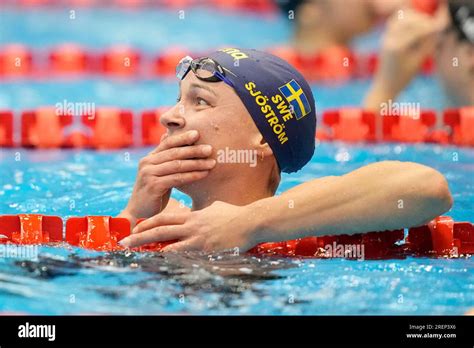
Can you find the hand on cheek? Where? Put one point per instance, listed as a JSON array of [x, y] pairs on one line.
[[176, 161]]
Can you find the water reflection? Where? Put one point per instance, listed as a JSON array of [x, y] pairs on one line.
[[222, 280]]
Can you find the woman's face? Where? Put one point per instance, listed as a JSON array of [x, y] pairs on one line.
[[220, 117]]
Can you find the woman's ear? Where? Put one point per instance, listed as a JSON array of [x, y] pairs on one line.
[[264, 150]]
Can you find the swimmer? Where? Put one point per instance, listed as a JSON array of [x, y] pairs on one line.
[[408, 41], [253, 102], [322, 24]]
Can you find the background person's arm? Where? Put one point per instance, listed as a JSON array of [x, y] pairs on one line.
[[409, 39], [381, 196]]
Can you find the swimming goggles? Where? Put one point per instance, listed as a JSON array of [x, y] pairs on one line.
[[205, 69]]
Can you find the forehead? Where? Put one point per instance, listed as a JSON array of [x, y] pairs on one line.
[[226, 96], [191, 82]]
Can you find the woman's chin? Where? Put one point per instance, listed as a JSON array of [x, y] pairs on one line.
[[196, 187]]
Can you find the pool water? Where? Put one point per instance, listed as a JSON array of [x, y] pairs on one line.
[[66, 280], [77, 183]]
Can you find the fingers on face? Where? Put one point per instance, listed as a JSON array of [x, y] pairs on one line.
[[182, 166], [183, 139], [185, 152]]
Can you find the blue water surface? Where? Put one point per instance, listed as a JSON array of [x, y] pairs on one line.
[[77, 183], [66, 280]]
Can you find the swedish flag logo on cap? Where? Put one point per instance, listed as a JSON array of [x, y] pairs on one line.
[[294, 94]]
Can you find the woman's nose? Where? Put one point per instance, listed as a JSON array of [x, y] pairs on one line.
[[173, 118]]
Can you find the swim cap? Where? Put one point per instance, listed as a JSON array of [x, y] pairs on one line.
[[462, 17], [279, 100]]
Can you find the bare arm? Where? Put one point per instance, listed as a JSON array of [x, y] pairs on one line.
[[406, 43], [381, 196]]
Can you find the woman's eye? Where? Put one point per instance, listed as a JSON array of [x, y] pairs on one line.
[[178, 99], [201, 101]]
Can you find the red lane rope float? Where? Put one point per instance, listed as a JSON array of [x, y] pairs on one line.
[[247, 5], [336, 63], [97, 232], [461, 122], [69, 58], [428, 7], [6, 128], [349, 124], [441, 237], [15, 61], [376, 245], [152, 129], [47, 127], [30, 229], [409, 128], [165, 63], [43, 128], [121, 60], [356, 125], [112, 128], [259, 6]]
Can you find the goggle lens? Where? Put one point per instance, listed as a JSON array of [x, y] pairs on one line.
[[205, 69], [183, 67]]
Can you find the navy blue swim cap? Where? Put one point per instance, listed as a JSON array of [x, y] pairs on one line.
[[279, 100]]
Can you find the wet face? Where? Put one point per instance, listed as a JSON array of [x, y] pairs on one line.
[[455, 67], [218, 114]]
